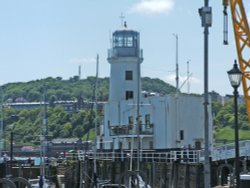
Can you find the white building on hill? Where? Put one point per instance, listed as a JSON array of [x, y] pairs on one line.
[[158, 122]]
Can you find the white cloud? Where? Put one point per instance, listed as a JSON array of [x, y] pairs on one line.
[[81, 61], [153, 6]]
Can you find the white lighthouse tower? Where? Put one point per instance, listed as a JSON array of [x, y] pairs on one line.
[[125, 58]]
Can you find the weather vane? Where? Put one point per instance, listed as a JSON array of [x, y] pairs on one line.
[[122, 19]]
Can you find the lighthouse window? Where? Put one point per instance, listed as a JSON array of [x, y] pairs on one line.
[[130, 122], [129, 95], [147, 120], [118, 41], [128, 41], [123, 41], [181, 134], [129, 75]]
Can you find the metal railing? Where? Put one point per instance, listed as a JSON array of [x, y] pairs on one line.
[[182, 156], [227, 151], [125, 52]]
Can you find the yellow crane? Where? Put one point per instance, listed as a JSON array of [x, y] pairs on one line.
[[242, 40]]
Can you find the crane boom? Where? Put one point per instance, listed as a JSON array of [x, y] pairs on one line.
[[242, 40]]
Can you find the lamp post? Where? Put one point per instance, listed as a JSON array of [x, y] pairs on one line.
[[205, 13], [235, 76]]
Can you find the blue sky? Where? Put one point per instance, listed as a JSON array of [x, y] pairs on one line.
[[42, 38]]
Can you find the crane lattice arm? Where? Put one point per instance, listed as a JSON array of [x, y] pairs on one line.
[[242, 40]]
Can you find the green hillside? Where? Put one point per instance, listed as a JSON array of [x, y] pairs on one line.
[[74, 88], [61, 124]]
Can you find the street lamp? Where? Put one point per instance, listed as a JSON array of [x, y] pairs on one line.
[[235, 77]]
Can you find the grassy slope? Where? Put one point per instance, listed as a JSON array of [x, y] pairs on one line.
[[228, 134]]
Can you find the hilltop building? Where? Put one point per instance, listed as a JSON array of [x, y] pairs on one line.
[[135, 120]]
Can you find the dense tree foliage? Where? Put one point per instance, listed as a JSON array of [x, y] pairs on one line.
[[156, 85], [28, 124], [72, 89], [223, 121]]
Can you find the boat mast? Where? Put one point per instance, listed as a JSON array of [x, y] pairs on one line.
[[43, 132], [45, 129], [41, 139], [95, 105]]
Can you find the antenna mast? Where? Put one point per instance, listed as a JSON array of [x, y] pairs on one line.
[[188, 83], [177, 63]]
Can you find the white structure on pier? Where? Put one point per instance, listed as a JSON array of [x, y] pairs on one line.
[[157, 122]]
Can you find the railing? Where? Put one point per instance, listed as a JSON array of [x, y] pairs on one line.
[[125, 52], [182, 156], [227, 151]]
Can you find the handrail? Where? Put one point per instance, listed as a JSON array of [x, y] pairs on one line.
[[182, 156], [227, 151], [223, 152]]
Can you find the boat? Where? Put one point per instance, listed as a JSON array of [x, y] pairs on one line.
[[35, 183]]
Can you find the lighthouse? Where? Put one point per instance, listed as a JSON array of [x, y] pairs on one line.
[[125, 57], [134, 121]]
